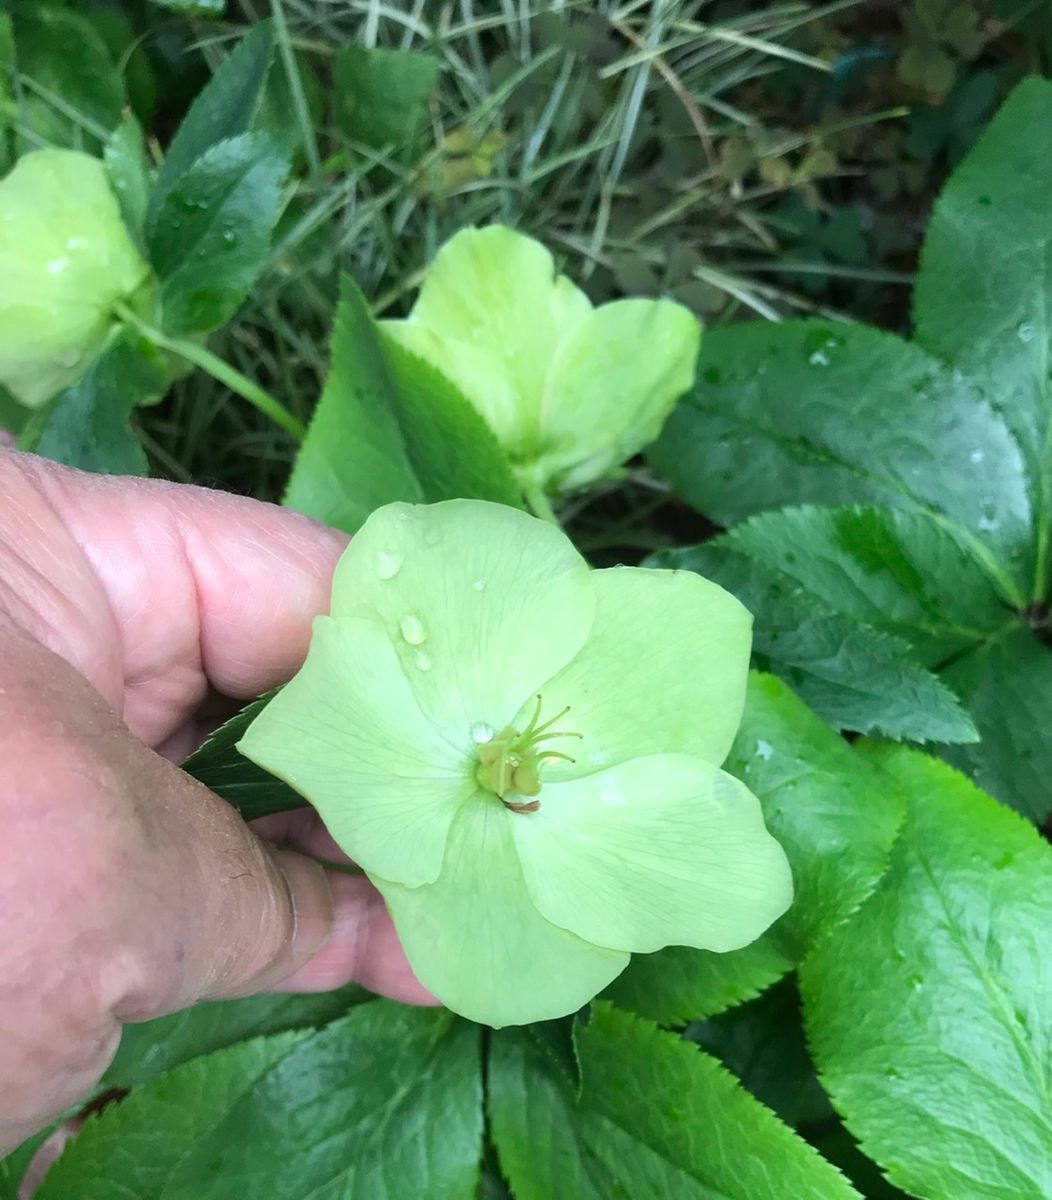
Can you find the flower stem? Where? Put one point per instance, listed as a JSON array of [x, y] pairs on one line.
[[222, 371], [538, 501]]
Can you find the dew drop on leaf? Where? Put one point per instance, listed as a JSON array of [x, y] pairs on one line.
[[1025, 331], [478, 585], [481, 732], [423, 663]]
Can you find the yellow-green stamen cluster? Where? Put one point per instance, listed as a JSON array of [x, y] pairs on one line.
[[510, 762]]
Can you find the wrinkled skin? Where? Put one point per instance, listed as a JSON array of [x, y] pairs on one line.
[[127, 889]]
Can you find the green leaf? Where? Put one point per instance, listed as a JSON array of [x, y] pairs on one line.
[[1007, 685], [836, 818], [136, 1146], [381, 96], [87, 425], [762, 1043], [156, 1047], [223, 110], [853, 676], [218, 765], [985, 285], [928, 1012], [381, 1105], [902, 572], [129, 172], [73, 93], [657, 1118], [389, 427], [872, 420], [210, 238]]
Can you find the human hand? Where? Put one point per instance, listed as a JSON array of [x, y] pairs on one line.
[[127, 889]]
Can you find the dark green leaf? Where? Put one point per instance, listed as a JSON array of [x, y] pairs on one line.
[[218, 765], [657, 1120], [134, 1147], [125, 155], [73, 93], [87, 425], [985, 287], [928, 1012], [156, 1047], [808, 413], [762, 1043], [904, 572], [223, 110], [382, 1105], [381, 96], [835, 816], [389, 427], [1007, 686], [210, 238], [853, 676]]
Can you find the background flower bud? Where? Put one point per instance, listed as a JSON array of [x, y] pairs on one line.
[[66, 259]]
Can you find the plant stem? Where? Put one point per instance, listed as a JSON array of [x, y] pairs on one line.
[[222, 371], [538, 501]]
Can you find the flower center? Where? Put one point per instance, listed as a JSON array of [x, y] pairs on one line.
[[510, 762]]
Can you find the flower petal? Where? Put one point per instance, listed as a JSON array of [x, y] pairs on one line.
[[614, 380], [483, 603], [348, 735], [660, 851], [475, 939], [496, 290], [664, 670]]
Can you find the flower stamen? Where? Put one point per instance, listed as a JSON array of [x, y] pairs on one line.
[[510, 762]]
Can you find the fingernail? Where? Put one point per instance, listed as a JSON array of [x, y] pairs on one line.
[[311, 900]]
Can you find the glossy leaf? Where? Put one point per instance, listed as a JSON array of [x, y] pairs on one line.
[[1007, 685], [928, 1012], [872, 420], [210, 238], [634, 1131], [129, 172], [389, 427], [381, 1105], [903, 572], [154, 1048], [223, 110], [983, 292], [836, 818], [855, 677]]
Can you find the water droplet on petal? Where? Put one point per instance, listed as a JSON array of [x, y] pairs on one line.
[[764, 749], [478, 585], [412, 629], [76, 243], [423, 663], [68, 358], [481, 732], [57, 266], [229, 236], [976, 456], [388, 565]]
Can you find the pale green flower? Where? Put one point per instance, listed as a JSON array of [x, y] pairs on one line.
[[65, 260], [571, 391], [523, 754]]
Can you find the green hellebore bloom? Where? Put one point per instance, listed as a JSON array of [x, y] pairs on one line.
[[571, 391], [65, 260], [523, 755]]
